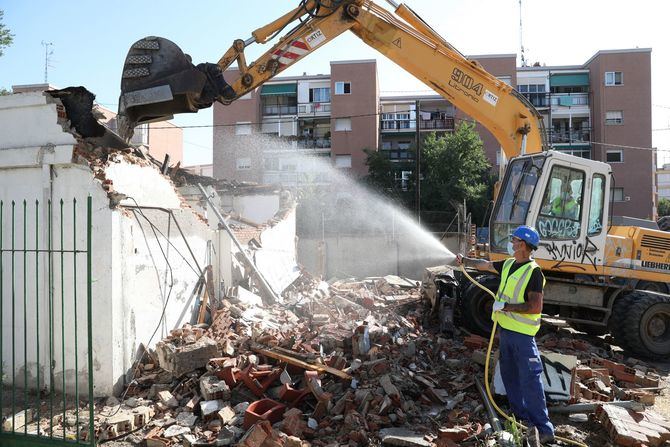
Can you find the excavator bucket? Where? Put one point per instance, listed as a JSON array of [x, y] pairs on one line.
[[160, 81]]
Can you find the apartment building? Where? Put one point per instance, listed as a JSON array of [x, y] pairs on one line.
[[663, 182], [285, 130], [595, 110]]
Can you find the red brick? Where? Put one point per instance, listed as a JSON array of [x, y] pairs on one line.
[[455, 434]]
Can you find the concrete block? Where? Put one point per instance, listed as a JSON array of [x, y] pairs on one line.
[[208, 408], [186, 419], [227, 415], [167, 399], [211, 388], [180, 360]]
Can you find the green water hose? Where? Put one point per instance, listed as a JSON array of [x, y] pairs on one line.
[[486, 369]]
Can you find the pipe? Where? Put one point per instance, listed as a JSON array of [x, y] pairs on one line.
[[495, 422], [264, 284]]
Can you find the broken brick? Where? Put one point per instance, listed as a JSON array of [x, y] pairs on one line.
[[263, 410]]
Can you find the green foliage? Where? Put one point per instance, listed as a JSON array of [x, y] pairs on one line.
[[6, 38], [663, 207], [455, 168], [513, 428], [4, 92], [380, 170]]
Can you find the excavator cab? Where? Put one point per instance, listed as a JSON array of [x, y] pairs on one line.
[[564, 198], [159, 81]]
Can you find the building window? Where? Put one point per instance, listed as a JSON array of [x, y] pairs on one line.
[[386, 145], [342, 88], [536, 94], [404, 145], [321, 94], [615, 156], [613, 78], [342, 124], [617, 194], [243, 164], [343, 161], [243, 128], [614, 117]]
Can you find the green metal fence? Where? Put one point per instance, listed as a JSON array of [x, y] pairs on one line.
[[46, 397]]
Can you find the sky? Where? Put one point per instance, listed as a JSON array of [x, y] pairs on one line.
[[90, 40]]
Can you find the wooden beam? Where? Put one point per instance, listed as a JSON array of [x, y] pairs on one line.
[[302, 364]]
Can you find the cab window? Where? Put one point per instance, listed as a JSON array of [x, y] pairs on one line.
[[561, 210], [515, 198], [597, 205]]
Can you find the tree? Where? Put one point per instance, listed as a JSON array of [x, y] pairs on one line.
[[455, 168], [6, 38], [663, 207], [380, 171]]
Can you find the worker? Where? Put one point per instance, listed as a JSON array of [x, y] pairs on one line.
[[565, 205], [517, 310]]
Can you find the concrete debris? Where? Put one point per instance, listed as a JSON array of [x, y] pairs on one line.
[[356, 362], [180, 355]]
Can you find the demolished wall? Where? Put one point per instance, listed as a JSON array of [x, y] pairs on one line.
[[136, 272]]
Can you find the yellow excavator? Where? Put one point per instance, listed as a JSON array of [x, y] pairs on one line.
[[604, 273]]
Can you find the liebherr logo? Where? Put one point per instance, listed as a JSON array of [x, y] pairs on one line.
[[466, 84], [656, 265]]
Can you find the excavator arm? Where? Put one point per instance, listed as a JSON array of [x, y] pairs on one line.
[[159, 80]]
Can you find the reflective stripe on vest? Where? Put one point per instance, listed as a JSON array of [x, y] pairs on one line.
[[512, 288]]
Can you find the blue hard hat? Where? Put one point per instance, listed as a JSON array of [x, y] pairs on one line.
[[528, 235]]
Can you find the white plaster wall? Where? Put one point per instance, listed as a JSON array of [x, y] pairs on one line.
[[258, 207], [352, 256], [67, 182], [277, 257]]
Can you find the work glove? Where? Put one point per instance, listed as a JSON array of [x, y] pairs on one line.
[[498, 306]]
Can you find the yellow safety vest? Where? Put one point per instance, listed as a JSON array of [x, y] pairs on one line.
[[559, 209], [511, 290]]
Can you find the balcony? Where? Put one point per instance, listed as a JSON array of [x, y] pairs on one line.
[[314, 108], [537, 99], [279, 110], [579, 137], [398, 125], [314, 143], [569, 99], [437, 124]]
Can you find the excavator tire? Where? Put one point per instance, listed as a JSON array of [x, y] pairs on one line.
[[477, 306], [651, 286], [644, 324], [619, 314]]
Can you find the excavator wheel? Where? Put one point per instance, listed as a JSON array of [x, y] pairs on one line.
[[652, 286], [477, 306], [641, 323]]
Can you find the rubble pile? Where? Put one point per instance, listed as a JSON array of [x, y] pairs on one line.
[[351, 363]]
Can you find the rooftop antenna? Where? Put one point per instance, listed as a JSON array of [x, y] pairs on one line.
[[47, 52], [523, 55]]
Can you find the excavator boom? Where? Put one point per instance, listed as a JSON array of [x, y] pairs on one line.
[[159, 80]]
